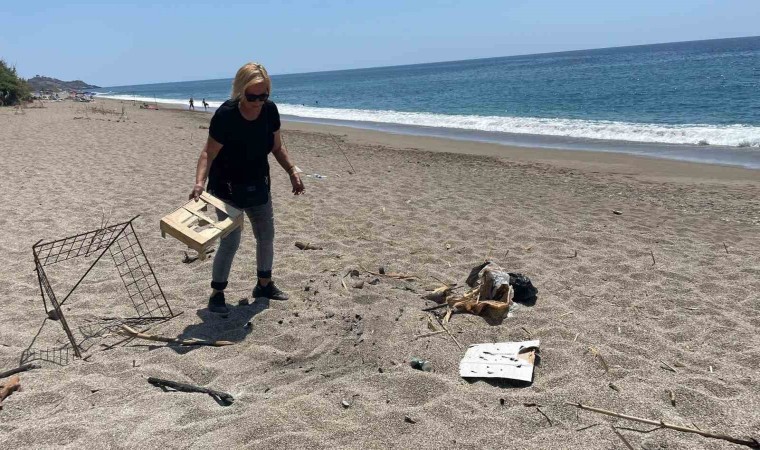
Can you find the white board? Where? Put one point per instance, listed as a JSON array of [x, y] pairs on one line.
[[499, 360]]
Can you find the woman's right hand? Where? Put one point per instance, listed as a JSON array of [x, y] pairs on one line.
[[196, 193]]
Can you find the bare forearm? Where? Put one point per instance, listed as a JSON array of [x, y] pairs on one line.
[[282, 157], [201, 170]]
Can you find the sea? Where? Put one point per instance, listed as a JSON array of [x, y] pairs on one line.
[[693, 101]]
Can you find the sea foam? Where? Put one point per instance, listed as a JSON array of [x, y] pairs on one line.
[[164, 101], [697, 134]]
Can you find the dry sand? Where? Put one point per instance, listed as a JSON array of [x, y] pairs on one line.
[[418, 205]]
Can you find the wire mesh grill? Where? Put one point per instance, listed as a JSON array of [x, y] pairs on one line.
[[142, 286], [137, 274], [79, 245], [46, 288]]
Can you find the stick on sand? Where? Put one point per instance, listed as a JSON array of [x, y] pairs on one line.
[[128, 331], [753, 443], [353, 171], [177, 386], [19, 369]]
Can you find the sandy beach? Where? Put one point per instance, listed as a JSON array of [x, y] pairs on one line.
[[652, 312]]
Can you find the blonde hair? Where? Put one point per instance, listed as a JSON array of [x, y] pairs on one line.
[[250, 73]]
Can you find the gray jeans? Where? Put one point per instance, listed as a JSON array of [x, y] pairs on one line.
[[262, 223]]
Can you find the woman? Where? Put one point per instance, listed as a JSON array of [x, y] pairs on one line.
[[242, 133]]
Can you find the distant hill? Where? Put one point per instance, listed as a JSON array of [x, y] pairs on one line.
[[39, 83]]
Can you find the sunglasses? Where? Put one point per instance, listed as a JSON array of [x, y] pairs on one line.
[[254, 97]]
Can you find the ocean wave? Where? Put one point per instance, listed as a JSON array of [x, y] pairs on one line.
[[697, 134]]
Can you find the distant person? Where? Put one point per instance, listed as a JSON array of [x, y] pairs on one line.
[[235, 159], [192, 106], [205, 105]]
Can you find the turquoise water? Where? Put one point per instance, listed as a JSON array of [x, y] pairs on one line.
[[692, 100]]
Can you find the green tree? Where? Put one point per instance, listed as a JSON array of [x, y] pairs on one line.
[[12, 88]]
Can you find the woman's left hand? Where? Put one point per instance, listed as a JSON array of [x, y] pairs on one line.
[[298, 187]]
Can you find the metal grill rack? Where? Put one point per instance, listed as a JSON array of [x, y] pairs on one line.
[[140, 282]]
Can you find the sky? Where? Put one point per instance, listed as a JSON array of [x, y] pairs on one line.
[[125, 43]]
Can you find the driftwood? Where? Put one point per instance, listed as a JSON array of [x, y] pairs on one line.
[[449, 333], [398, 276], [751, 443], [221, 397], [353, 171], [622, 438], [432, 333], [11, 386], [131, 332], [476, 302], [431, 308], [19, 369], [307, 246], [594, 351], [439, 295]]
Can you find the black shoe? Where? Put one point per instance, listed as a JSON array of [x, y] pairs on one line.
[[269, 291], [217, 305]]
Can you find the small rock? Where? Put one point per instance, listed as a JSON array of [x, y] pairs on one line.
[[617, 213], [381, 270], [280, 321], [345, 403], [380, 369], [244, 302], [307, 288], [248, 326], [408, 419], [375, 281], [354, 273], [421, 364], [359, 285]]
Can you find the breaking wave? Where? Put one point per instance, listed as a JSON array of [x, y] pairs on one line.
[[697, 134]]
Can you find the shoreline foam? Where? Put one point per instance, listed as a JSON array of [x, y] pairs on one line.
[[695, 143]]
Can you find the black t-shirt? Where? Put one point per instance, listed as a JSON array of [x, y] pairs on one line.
[[246, 145]]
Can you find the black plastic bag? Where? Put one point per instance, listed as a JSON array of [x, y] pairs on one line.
[[524, 290]]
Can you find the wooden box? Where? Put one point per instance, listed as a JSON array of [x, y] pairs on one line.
[[191, 224]]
